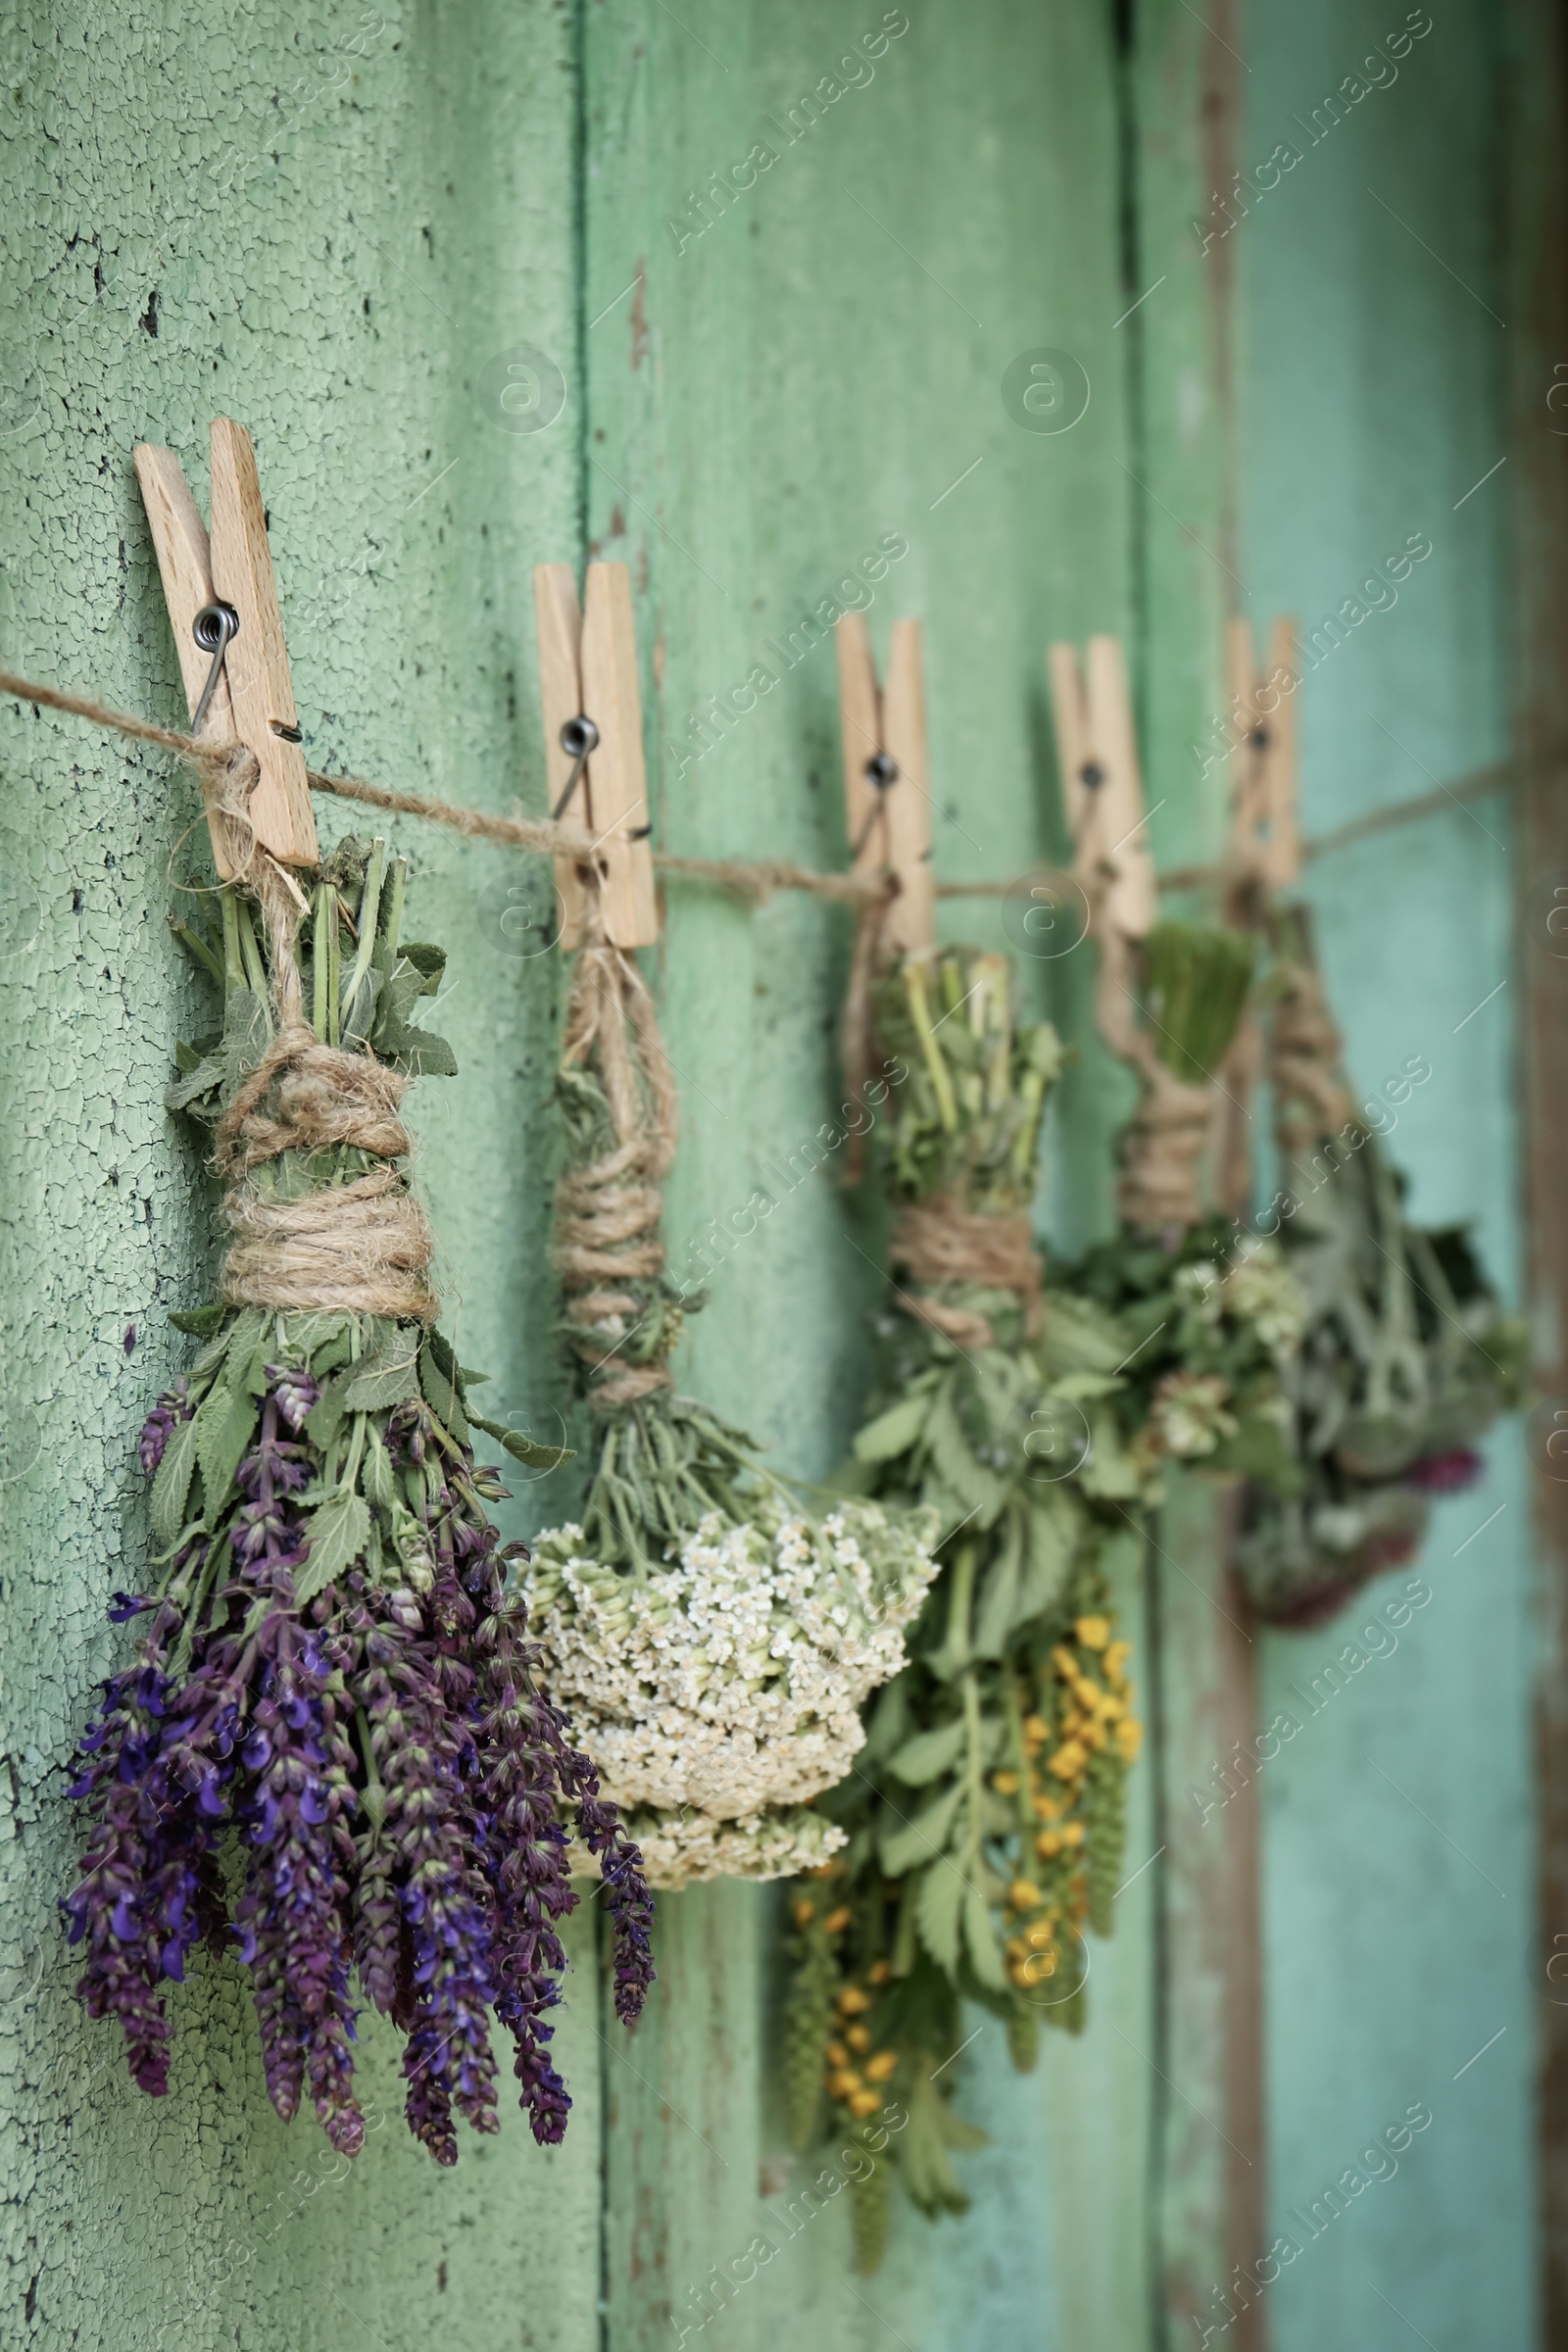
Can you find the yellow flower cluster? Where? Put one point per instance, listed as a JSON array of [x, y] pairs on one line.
[[852, 2064], [1078, 1718]]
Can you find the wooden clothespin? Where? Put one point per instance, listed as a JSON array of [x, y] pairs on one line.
[[594, 745], [887, 777], [228, 633], [1097, 751], [1264, 841]]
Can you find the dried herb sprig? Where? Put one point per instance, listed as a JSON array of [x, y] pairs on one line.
[[332, 1683], [715, 1635], [1196, 982], [1407, 1354], [982, 1819]]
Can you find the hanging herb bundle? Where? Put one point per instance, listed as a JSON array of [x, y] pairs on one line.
[[1213, 1313], [985, 1814], [713, 1638], [332, 1746], [1407, 1355]]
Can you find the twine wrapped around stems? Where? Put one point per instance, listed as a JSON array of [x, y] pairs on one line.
[[366, 1246], [938, 1241], [609, 1212], [1305, 1059], [1164, 1142]]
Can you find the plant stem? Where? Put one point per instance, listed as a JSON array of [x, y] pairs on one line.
[[194, 945], [233, 960], [919, 1013], [975, 1768], [334, 958], [393, 926], [369, 904], [319, 972], [255, 966]]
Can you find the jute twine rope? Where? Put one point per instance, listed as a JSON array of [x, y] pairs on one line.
[[1306, 1052], [608, 1213], [751, 878], [938, 1241], [1163, 1143]]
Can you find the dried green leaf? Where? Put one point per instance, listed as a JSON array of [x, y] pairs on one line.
[[938, 1906], [928, 1753], [442, 1384], [244, 1338], [323, 1421], [205, 1079], [225, 1423], [338, 1533], [172, 1483], [389, 1376], [201, 1322], [997, 1613], [905, 1844], [981, 1492], [375, 1472], [895, 1431], [310, 1335], [980, 1936], [427, 959]]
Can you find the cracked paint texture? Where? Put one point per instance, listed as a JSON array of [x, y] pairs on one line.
[[324, 223]]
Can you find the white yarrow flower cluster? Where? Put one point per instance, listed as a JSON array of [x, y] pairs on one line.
[[685, 1848], [730, 1682]]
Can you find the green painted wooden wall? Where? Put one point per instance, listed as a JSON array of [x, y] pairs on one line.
[[342, 230], [1399, 1840]]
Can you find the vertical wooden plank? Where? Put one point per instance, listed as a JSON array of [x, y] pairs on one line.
[[1536, 247], [329, 248], [751, 271], [1212, 2206], [1374, 391]]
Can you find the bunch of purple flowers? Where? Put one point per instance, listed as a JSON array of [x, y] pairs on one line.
[[336, 1678]]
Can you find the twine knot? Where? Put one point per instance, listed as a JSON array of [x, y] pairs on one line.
[[365, 1245], [1162, 1152], [937, 1241]]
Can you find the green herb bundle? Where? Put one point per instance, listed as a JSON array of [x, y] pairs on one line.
[[331, 1752], [985, 1814], [716, 1637], [1406, 1356]]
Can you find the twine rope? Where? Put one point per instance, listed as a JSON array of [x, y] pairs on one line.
[[610, 1211], [365, 1245], [939, 1242], [751, 878], [1305, 1053], [1163, 1143]]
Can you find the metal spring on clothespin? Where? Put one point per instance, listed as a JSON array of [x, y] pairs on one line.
[[881, 772], [578, 737], [212, 628]]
